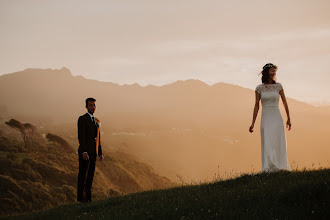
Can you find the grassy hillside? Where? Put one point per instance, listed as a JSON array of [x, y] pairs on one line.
[[41, 174], [281, 195]]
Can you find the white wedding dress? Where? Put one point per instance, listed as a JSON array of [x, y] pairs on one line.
[[273, 139]]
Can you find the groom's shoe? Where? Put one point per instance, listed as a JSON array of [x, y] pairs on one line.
[[88, 199], [82, 200]]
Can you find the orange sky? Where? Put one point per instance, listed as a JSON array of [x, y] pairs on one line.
[[158, 42]]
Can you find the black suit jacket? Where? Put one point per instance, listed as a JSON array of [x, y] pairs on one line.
[[87, 131]]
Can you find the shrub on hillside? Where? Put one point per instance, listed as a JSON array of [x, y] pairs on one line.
[[60, 141]]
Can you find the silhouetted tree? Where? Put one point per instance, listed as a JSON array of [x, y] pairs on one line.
[[51, 138], [30, 130], [19, 127], [56, 139], [27, 130]]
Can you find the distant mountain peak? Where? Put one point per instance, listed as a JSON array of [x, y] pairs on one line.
[[188, 83], [61, 72], [135, 85], [64, 69], [40, 73]]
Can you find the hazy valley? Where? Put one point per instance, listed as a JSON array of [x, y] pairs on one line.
[[187, 130]]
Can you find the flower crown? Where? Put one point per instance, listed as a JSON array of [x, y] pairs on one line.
[[270, 65]]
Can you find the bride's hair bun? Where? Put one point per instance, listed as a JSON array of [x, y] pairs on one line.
[[269, 65]]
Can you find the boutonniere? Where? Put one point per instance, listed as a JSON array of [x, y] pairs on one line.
[[98, 122]]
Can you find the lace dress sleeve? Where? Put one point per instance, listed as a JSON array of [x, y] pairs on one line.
[[279, 87], [258, 89]]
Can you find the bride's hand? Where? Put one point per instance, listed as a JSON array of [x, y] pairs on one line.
[[288, 125], [251, 128]]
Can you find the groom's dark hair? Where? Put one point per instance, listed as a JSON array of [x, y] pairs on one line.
[[90, 99]]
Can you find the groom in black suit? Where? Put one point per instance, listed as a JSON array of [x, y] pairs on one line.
[[89, 149]]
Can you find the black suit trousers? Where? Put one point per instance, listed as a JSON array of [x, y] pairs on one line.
[[85, 178]]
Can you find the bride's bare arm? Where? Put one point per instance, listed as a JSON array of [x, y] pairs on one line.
[[255, 111], [288, 123]]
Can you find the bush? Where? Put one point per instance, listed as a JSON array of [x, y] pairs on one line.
[[58, 140]]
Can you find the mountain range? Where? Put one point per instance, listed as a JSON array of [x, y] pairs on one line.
[[187, 130]]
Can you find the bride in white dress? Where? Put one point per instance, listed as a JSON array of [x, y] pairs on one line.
[[273, 139]]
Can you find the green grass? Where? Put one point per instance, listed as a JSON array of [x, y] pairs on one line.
[[281, 195]]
